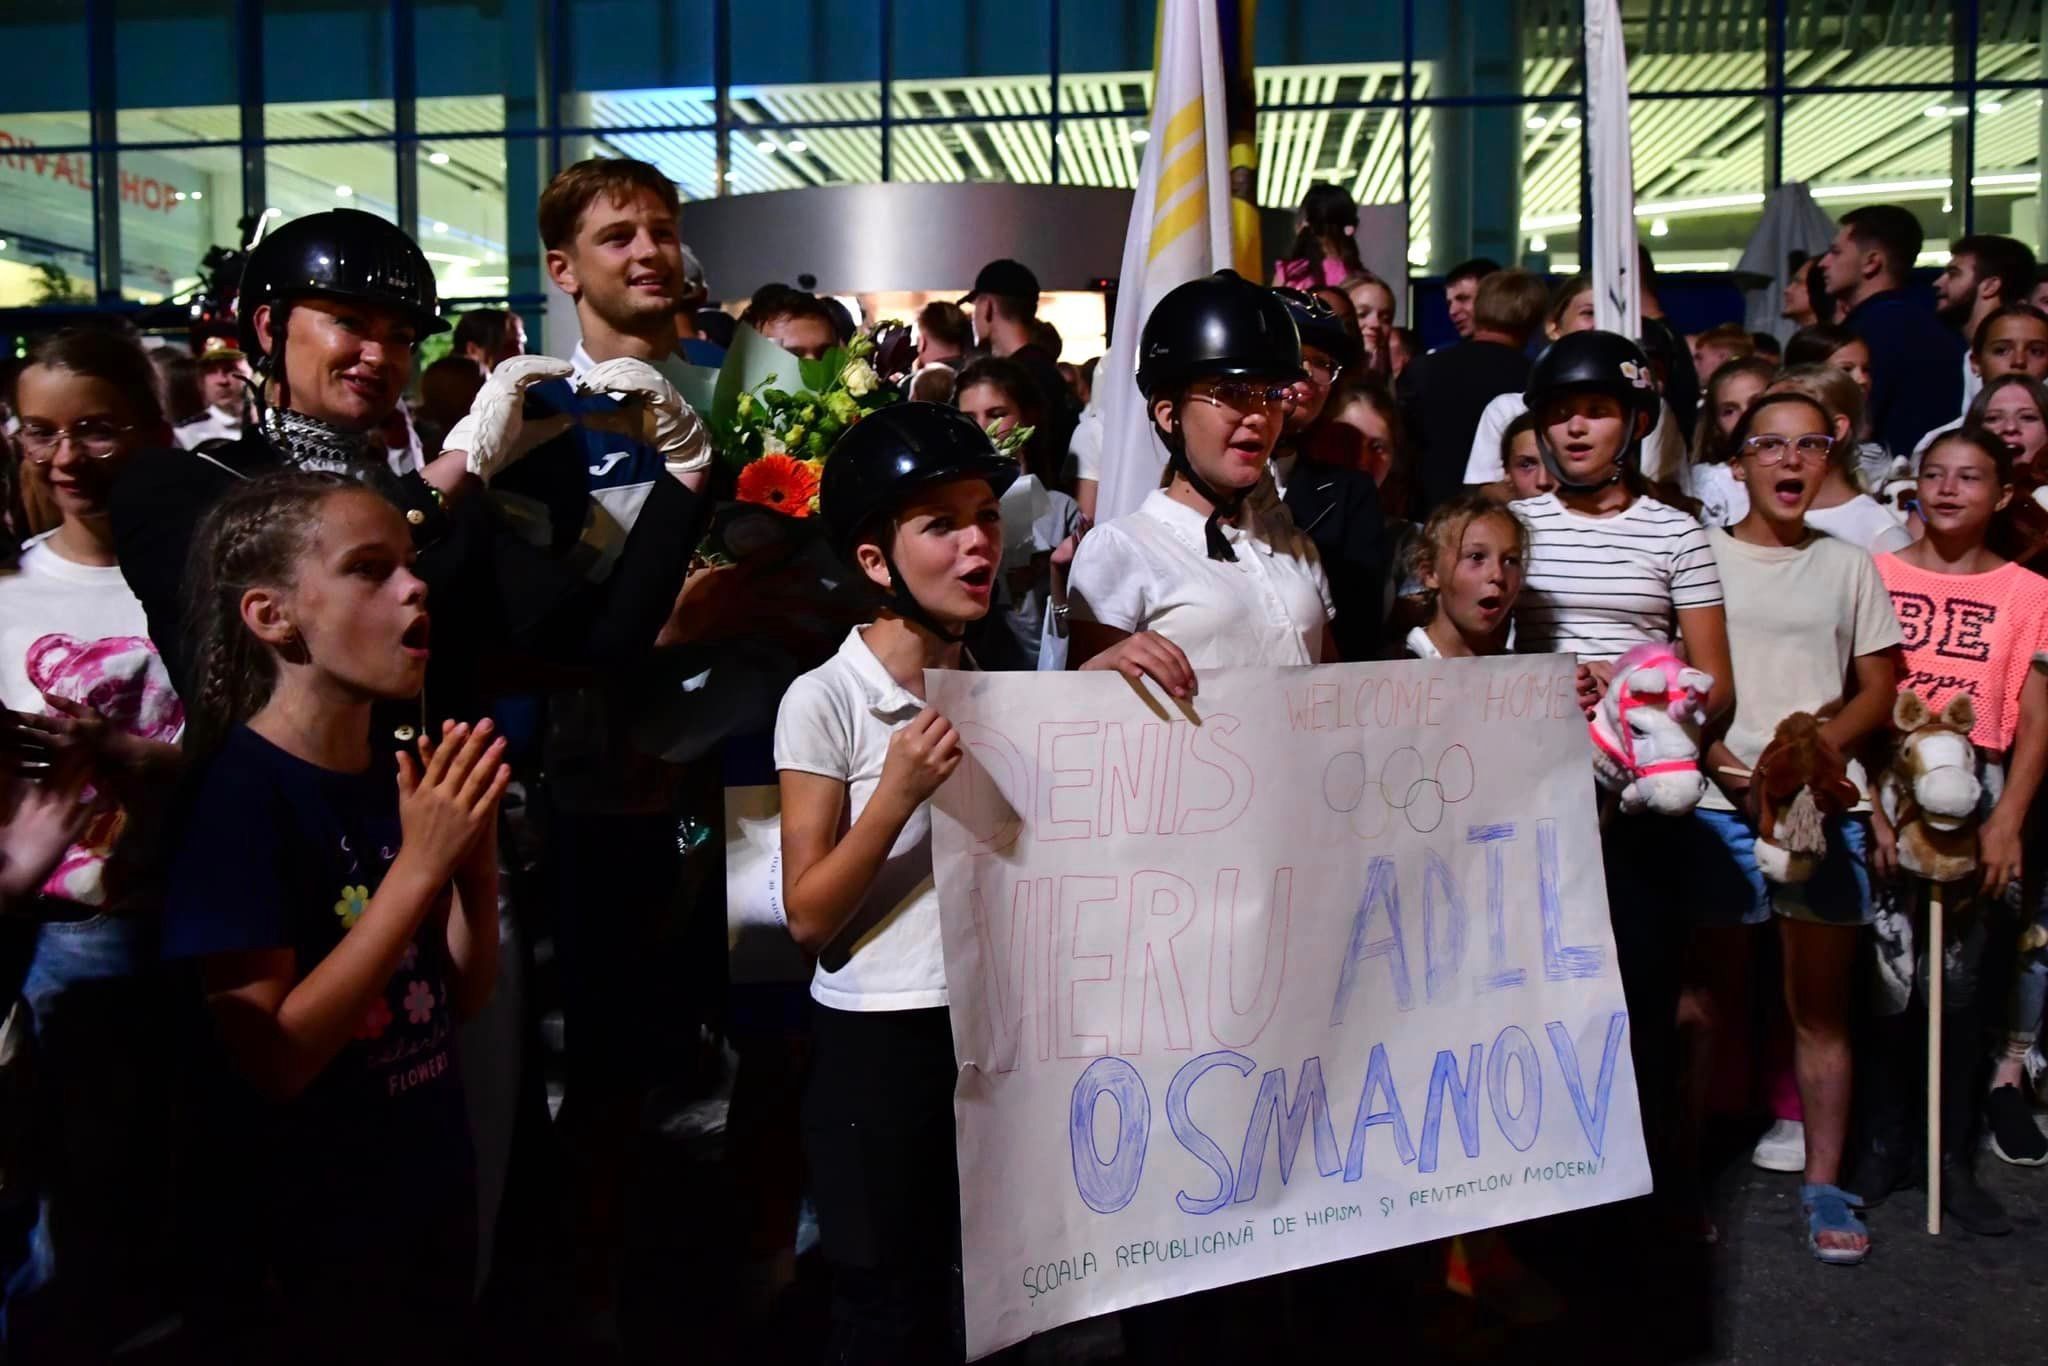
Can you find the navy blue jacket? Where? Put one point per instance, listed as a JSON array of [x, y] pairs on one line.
[[1916, 368]]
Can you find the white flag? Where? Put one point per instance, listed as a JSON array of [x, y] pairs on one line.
[[1180, 231], [1617, 298]]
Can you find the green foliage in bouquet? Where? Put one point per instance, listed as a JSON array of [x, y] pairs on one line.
[[768, 402]]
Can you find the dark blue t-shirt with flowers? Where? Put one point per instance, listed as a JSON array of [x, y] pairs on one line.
[[280, 853]]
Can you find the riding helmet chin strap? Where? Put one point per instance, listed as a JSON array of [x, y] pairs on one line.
[[1219, 505], [903, 603]]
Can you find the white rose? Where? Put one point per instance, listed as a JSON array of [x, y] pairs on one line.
[[859, 378], [771, 444]]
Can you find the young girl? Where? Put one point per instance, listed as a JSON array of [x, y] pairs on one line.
[[343, 919], [1360, 429], [1611, 568], [910, 499], [1840, 509], [1833, 344], [1662, 453], [1325, 250], [2012, 408], [1710, 470], [1522, 453], [81, 678], [1469, 560], [1805, 613], [1199, 576], [1373, 298], [1000, 396], [1974, 622]]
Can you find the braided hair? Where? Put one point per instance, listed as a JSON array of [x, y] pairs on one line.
[[252, 538]]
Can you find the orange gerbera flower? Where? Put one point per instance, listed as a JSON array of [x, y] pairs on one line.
[[780, 482]]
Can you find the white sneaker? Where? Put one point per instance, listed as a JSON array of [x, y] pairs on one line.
[[1782, 1148], [2036, 1068]]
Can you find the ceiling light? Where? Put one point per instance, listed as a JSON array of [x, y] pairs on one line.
[[439, 226], [1535, 123], [1571, 120], [1539, 243], [343, 192], [199, 194], [179, 196], [1659, 228], [1141, 135], [797, 146], [766, 148], [438, 158], [1990, 107], [1948, 206], [273, 213], [3, 244]]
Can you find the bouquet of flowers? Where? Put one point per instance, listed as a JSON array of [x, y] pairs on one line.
[[775, 417]]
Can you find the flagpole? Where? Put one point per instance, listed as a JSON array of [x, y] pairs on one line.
[[1180, 230], [1617, 298]]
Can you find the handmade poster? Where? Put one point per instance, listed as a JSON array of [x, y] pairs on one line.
[[1314, 965]]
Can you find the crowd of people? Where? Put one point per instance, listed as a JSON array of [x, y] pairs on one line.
[[342, 699]]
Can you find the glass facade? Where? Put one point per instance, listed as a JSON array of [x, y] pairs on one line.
[[146, 131]]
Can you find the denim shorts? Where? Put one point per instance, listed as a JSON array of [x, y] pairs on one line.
[[1724, 888]]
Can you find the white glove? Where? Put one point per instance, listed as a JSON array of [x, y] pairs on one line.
[[495, 433], [664, 420]]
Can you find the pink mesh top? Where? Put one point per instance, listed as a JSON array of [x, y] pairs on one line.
[[1974, 633]]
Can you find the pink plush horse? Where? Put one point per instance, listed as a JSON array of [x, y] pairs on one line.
[[1646, 731]]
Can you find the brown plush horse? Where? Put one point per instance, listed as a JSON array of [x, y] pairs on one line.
[[1800, 780], [1931, 790]]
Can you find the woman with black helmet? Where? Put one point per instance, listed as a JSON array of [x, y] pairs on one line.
[[1610, 568], [331, 308], [1200, 576], [909, 499]]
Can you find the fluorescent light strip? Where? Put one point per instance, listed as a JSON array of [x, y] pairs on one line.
[[2013, 181]]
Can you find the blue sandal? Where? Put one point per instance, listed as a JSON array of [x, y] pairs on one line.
[[1830, 1209]]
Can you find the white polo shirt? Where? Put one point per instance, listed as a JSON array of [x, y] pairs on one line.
[[1151, 571], [836, 721]]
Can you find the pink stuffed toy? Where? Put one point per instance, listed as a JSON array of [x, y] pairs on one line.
[[122, 679], [1646, 731]]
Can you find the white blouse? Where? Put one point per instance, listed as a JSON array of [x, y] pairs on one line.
[[1151, 571]]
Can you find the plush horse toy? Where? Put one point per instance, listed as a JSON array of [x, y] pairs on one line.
[[1646, 731], [1931, 791], [1799, 782]]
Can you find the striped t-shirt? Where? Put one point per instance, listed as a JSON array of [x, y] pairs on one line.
[[1598, 585]]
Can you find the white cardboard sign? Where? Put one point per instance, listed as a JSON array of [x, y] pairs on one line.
[[1316, 965]]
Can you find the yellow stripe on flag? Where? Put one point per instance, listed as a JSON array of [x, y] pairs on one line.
[[1182, 172], [1184, 124], [1188, 213]]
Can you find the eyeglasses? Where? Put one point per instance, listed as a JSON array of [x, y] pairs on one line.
[[1772, 450], [97, 439], [1323, 371], [1245, 398]]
